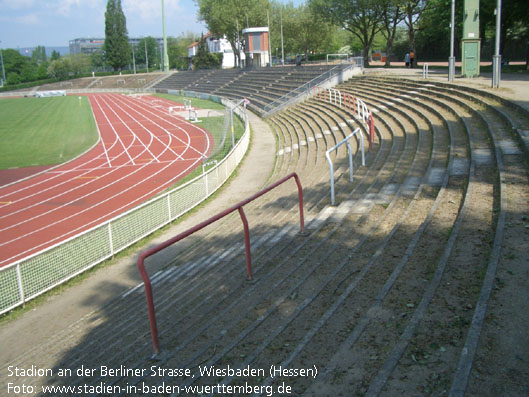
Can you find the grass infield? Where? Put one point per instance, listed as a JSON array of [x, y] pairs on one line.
[[44, 131]]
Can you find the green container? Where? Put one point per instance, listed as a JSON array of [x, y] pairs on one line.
[[471, 41]]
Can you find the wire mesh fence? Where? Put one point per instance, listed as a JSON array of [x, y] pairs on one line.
[[32, 276]]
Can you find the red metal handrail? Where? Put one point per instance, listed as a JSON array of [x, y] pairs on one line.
[[237, 207]]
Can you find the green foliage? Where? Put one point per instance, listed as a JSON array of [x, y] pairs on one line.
[[55, 55], [117, 49], [13, 78], [70, 66], [361, 17], [148, 51], [97, 59], [223, 17], [177, 50], [304, 31], [204, 59], [39, 55]]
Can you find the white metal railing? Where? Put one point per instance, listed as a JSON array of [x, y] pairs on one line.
[[349, 155], [305, 90], [425, 71], [346, 100], [38, 273]]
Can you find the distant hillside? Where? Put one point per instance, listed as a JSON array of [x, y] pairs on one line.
[[61, 50]]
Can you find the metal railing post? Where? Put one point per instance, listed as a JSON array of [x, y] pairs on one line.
[[21, 294], [331, 170], [175, 239], [150, 302], [247, 244], [350, 155]]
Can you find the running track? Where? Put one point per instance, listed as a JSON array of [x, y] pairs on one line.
[[142, 151]]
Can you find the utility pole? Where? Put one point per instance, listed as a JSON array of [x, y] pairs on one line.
[[496, 59], [165, 56], [452, 59], [282, 49]]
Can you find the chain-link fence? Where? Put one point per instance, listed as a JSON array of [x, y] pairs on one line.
[[32, 276]]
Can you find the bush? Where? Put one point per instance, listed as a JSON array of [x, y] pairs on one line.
[[13, 78]]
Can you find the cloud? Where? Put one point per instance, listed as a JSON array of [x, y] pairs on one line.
[[18, 4], [148, 10], [68, 8], [29, 19]]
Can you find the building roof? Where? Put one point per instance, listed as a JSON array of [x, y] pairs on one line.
[[255, 30]]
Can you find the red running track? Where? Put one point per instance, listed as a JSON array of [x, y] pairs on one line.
[[142, 151]]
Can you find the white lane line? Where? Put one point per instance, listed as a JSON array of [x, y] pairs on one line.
[[126, 124], [114, 130], [46, 180], [95, 221], [47, 199], [167, 120]]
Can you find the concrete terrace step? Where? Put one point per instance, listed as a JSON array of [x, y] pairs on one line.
[[396, 273]]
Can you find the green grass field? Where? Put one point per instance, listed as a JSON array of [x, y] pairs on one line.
[[44, 131], [195, 102]]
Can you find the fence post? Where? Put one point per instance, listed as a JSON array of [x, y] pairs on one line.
[[21, 294], [110, 239], [371, 130]]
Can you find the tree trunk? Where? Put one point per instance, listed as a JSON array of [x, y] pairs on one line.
[[389, 46]]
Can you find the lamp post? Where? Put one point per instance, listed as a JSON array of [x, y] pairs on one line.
[[452, 59], [496, 59], [165, 56], [133, 58]]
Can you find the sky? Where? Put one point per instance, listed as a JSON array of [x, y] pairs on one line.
[[53, 23]]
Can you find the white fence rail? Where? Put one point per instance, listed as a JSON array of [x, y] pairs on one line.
[[34, 275], [347, 101], [349, 155]]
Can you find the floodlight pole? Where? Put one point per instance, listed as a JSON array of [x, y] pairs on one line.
[[496, 59], [146, 57], [165, 56], [133, 59], [452, 59], [281, 22], [3, 69], [269, 40]]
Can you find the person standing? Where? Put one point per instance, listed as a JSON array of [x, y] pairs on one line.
[[412, 57], [407, 59]]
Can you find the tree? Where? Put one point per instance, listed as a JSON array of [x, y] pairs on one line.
[[116, 46], [413, 10], [229, 17], [149, 45], [177, 50], [55, 55], [392, 16], [361, 17], [304, 31], [97, 59], [204, 59], [39, 55], [60, 68]]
